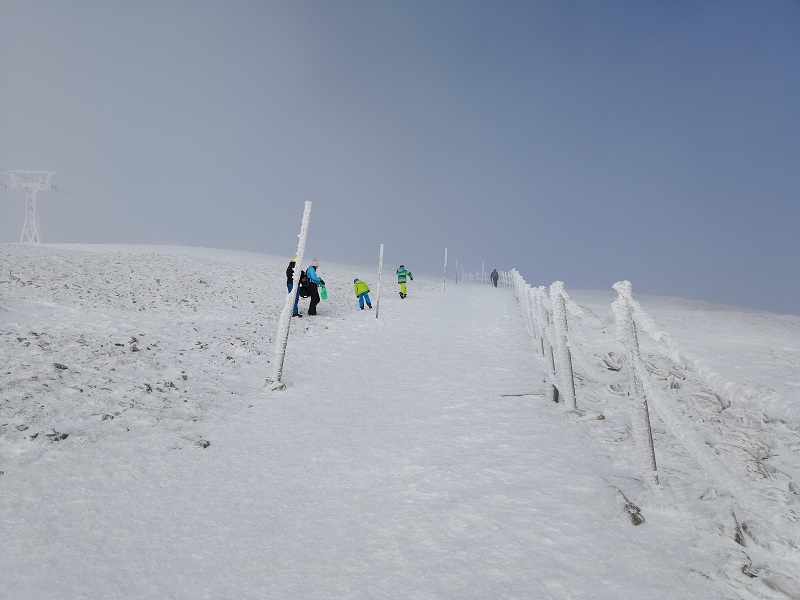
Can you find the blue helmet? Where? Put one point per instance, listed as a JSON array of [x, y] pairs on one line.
[[355, 280]]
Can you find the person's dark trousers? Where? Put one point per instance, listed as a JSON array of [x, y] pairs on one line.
[[312, 307], [296, 297]]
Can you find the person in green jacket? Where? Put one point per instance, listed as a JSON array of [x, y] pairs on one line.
[[402, 273], [361, 290]]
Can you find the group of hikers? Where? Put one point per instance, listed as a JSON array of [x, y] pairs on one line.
[[311, 285]]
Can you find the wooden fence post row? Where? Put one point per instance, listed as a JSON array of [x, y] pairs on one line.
[[533, 302]]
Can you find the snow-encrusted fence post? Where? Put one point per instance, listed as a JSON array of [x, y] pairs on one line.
[[527, 304], [522, 292], [523, 300], [536, 321], [532, 312], [282, 339], [538, 317], [527, 298], [519, 291], [562, 343], [380, 270], [640, 420], [547, 345], [444, 275]]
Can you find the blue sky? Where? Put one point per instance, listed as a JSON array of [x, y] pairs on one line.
[[583, 141]]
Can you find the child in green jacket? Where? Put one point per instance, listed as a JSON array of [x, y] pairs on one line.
[[361, 290]]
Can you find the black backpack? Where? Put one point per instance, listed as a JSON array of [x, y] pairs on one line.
[[305, 285]]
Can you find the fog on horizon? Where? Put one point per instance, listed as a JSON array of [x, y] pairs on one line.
[[579, 141]]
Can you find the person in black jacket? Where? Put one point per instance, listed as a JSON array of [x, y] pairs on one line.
[[290, 284], [495, 276]]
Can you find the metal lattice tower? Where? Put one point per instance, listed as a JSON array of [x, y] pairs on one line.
[[32, 182]]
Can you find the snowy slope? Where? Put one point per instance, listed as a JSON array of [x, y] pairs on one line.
[[412, 456]]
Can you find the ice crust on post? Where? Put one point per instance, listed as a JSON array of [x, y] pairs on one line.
[[282, 338]]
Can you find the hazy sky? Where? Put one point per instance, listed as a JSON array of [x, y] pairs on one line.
[[586, 141]]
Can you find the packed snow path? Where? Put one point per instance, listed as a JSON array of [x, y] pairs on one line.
[[412, 456]]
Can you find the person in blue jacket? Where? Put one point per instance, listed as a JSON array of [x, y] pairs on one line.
[[314, 281], [402, 273]]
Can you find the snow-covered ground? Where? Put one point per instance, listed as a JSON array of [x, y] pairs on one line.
[[411, 456]]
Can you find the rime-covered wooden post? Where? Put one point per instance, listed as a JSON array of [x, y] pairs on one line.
[[517, 287], [549, 357], [282, 339], [444, 275], [626, 334], [380, 270], [531, 309], [519, 295], [562, 343], [537, 312], [521, 291]]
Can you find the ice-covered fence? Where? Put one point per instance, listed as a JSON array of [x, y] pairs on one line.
[[535, 308], [546, 316], [504, 280], [704, 420], [474, 277], [723, 429]]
